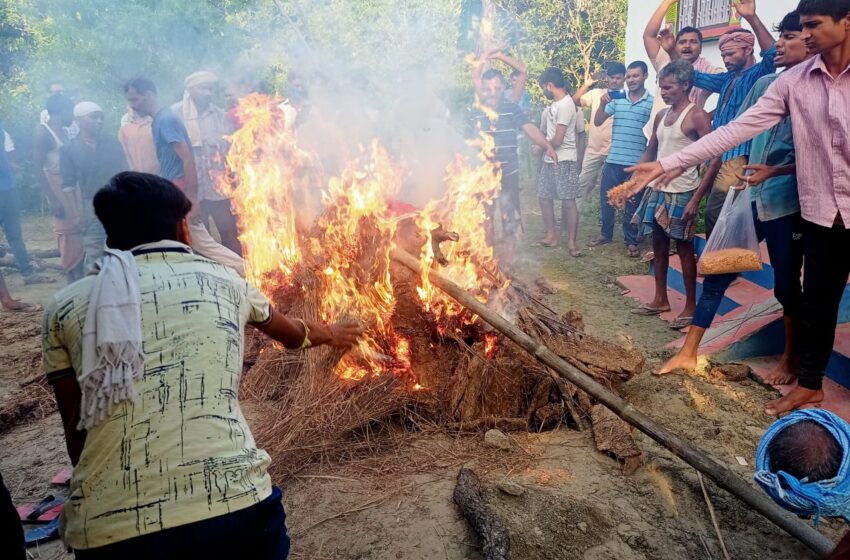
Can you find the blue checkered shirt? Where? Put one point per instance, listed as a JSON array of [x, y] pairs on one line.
[[720, 84]]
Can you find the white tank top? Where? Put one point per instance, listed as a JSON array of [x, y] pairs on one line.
[[51, 162], [672, 140]]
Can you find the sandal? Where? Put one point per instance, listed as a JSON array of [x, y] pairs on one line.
[[546, 244], [576, 253], [647, 311], [681, 323], [598, 242], [634, 253]]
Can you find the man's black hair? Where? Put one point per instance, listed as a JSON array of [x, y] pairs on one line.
[[805, 450], [639, 64], [138, 208], [687, 30], [141, 85], [791, 22], [552, 76], [615, 69], [491, 74], [58, 104], [836, 9]]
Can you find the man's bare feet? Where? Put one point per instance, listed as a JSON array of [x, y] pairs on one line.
[[792, 401], [15, 305], [784, 374], [550, 242], [677, 362]]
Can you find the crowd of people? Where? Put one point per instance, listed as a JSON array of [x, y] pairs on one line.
[[680, 158], [144, 347]]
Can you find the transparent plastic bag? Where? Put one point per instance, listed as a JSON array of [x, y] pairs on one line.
[[734, 245]]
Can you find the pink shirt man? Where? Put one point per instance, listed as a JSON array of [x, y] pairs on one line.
[[820, 113]]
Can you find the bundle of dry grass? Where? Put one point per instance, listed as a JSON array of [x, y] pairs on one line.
[[323, 418], [32, 402]]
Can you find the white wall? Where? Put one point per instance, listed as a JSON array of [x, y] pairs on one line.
[[771, 12]]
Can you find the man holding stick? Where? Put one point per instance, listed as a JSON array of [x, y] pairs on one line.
[[816, 95]]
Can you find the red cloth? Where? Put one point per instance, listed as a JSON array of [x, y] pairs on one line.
[[399, 208]]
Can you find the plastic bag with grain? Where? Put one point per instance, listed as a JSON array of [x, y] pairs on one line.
[[734, 245]]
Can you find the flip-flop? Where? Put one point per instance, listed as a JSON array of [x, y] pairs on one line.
[[599, 242], [646, 311], [44, 511], [681, 323], [576, 253], [63, 477], [634, 254], [46, 533], [546, 245]]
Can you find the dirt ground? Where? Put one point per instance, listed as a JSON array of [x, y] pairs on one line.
[[575, 502]]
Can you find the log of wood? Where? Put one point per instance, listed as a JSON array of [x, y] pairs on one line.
[[695, 457], [470, 498]]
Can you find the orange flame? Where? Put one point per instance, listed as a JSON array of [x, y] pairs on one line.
[[465, 210], [346, 252], [263, 162], [491, 345]]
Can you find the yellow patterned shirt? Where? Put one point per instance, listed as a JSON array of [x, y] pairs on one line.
[[182, 452]]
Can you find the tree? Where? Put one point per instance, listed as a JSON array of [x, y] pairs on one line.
[[577, 36]]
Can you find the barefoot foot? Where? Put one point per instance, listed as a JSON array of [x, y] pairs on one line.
[[677, 362], [784, 374], [792, 401], [15, 305]]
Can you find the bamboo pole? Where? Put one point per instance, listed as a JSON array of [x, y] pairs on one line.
[[698, 459]]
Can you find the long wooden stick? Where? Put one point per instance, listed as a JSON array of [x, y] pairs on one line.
[[698, 459]]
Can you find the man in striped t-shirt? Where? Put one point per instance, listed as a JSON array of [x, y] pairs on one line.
[[502, 120], [631, 111]]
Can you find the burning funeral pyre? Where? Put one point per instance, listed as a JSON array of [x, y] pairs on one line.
[[324, 252]]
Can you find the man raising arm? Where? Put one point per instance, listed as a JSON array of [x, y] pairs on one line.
[[816, 95]]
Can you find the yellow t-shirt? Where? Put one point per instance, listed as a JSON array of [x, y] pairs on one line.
[[599, 142], [182, 452]]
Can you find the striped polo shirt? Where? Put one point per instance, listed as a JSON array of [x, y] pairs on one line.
[[720, 84], [504, 129], [628, 142]]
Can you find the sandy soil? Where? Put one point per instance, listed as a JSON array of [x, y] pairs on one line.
[[576, 501]]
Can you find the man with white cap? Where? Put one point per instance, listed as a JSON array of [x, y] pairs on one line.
[[86, 164], [207, 125], [177, 164]]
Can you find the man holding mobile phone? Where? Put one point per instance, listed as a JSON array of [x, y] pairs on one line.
[[599, 137], [630, 112]]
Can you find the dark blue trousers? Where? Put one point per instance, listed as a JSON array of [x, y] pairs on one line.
[[257, 532], [10, 220], [614, 175]]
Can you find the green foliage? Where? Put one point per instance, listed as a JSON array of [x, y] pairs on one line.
[[577, 36]]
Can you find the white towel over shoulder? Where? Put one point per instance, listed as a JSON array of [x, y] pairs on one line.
[[112, 338]]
